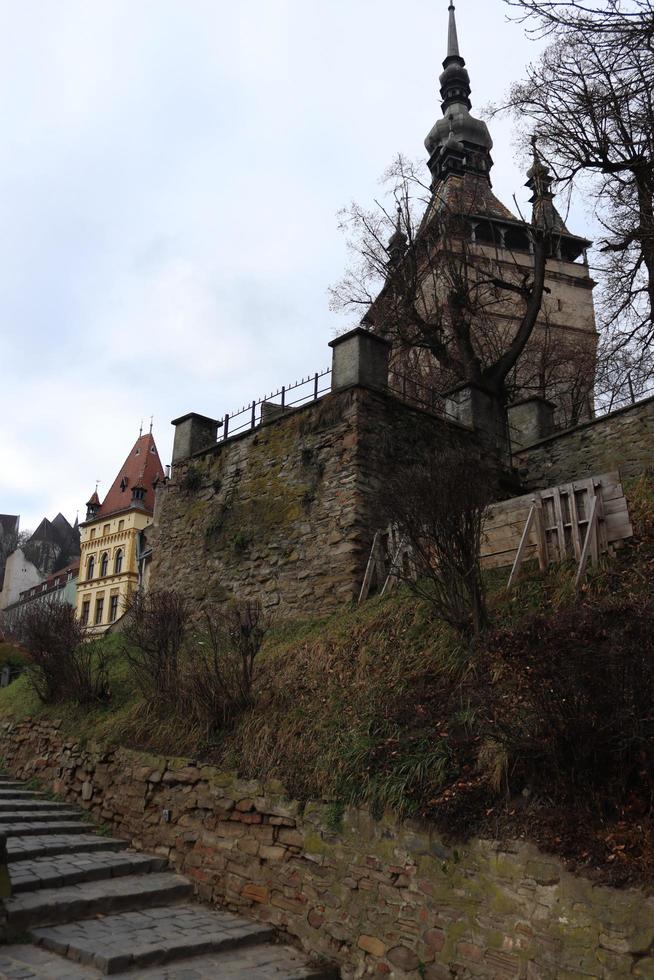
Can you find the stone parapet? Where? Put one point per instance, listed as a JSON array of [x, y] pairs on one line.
[[622, 440], [380, 897]]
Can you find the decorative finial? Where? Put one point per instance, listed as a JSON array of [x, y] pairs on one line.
[[452, 36], [97, 484], [141, 429], [151, 422]]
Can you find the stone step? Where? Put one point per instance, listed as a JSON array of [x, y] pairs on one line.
[[34, 806], [23, 828], [71, 869], [29, 848], [37, 816], [20, 794], [264, 962], [148, 937], [52, 906], [6, 783]]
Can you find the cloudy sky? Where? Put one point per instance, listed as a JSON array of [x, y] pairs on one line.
[[170, 173]]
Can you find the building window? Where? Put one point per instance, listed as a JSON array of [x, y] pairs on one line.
[[121, 525], [92, 534], [86, 608], [106, 529], [90, 567], [118, 562], [99, 606], [104, 565], [113, 609]]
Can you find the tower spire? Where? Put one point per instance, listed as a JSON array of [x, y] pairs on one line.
[[458, 143], [452, 36]]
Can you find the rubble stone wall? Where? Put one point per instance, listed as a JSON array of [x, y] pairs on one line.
[[286, 512], [622, 440], [381, 898]]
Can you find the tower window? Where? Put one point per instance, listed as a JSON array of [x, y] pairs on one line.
[[113, 609]]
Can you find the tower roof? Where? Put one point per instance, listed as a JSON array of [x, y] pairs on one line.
[[141, 468]]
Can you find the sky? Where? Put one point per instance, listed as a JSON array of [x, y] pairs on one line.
[[170, 177]]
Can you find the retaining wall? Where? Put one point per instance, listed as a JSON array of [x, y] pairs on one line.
[[380, 898], [287, 512]]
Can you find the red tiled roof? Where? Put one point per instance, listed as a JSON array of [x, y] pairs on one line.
[[141, 468]]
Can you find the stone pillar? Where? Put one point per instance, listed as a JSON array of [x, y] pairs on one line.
[[193, 433], [530, 420], [478, 409], [360, 357]]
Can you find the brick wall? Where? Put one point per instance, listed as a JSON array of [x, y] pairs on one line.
[[380, 898], [287, 512], [623, 440]]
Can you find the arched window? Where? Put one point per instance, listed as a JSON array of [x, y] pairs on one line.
[[104, 565], [90, 567], [118, 561]]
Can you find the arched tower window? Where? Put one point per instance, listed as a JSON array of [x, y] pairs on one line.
[[104, 565], [118, 562], [90, 567]]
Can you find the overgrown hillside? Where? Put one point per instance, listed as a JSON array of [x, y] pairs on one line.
[[544, 731]]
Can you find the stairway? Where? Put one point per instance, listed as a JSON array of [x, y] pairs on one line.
[[111, 910]]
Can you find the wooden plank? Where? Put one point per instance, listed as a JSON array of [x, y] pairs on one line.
[[541, 538], [590, 534], [574, 519], [522, 549], [560, 529]]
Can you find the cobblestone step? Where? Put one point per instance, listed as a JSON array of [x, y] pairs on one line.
[[36, 816], [151, 937], [29, 848], [72, 869], [247, 963], [34, 806], [51, 906], [19, 794], [22, 829]]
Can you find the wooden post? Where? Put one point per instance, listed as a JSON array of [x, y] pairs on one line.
[[524, 541], [370, 570], [590, 535]]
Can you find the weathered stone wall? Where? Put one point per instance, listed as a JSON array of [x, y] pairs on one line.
[[380, 898], [623, 440], [287, 512]]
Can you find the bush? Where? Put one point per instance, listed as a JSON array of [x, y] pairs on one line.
[[221, 664], [437, 505], [155, 631], [574, 707], [61, 666]]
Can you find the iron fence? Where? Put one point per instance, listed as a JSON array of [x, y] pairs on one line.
[[299, 393]]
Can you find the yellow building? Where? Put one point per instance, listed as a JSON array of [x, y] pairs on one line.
[[111, 560]]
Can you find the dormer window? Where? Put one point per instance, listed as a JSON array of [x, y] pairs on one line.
[[123, 484]]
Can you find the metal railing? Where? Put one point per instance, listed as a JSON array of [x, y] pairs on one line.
[[309, 389]]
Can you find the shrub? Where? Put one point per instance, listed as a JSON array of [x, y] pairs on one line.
[[156, 629], [437, 505], [61, 666], [221, 663], [576, 711]]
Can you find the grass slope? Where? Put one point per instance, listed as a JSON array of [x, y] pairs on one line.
[[545, 733]]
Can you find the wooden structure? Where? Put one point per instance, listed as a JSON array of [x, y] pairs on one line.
[[579, 520]]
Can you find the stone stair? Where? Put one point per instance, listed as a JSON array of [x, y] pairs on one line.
[[110, 910]]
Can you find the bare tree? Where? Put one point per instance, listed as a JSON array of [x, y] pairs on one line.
[[420, 278], [589, 101]]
